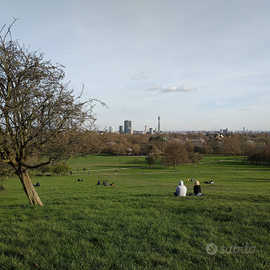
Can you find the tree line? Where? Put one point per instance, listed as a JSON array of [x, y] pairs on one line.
[[189, 146]]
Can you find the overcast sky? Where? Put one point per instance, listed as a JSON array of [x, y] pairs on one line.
[[198, 64]]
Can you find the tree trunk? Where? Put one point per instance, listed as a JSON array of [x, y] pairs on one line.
[[29, 188]]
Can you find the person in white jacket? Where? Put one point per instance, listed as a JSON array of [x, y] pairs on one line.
[[181, 190]]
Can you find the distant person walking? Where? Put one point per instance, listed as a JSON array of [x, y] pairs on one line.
[[181, 189]]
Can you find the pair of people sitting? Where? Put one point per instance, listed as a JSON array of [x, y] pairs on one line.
[[181, 189], [37, 184]]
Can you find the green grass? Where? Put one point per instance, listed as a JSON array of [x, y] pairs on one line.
[[138, 223]]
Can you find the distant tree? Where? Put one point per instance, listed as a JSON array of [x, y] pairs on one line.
[[89, 142], [249, 148], [149, 149], [37, 110], [60, 169], [117, 149], [150, 160], [215, 144], [44, 169], [231, 146], [189, 146], [260, 156], [255, 158], [154, 149], [265, 152], [195, 157], [136, 149], [175, 153], [205, 149]]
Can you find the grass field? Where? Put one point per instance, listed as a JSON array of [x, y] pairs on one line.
[[138, 223]]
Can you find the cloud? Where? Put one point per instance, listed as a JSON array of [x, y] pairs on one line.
[[183, 88], [140, 76], [178, 89]]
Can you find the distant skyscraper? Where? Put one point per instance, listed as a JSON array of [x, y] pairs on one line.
[[159, 124], [121, 129], [127, 126], [111, 129]]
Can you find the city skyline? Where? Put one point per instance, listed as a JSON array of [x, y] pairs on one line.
[[201, 65], [127, 128]]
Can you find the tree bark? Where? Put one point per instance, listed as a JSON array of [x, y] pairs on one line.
[[29, 188]]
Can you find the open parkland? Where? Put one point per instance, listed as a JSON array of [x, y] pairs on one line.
[[139, 223]]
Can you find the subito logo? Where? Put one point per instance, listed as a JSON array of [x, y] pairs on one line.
[[211, 249]]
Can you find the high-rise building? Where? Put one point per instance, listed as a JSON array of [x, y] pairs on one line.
[[158, 123], [111, 129], [127, 126], [121, 129]]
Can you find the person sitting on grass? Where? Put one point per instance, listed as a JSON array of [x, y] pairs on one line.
[[209, 182], [181, 190], [112, 184], [106, 183], [197, 188]]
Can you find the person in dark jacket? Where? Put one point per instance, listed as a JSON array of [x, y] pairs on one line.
[[197, 188]]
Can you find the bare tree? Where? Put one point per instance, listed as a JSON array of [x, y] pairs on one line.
[[37, 110]]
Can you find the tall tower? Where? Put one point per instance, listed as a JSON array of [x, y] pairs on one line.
[[158, 123], [127, 126]]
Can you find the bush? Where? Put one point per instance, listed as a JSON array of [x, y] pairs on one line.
[[60, 169]]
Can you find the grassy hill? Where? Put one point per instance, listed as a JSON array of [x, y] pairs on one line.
[[139, 223]]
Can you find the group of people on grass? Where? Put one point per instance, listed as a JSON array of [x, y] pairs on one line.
[[105, 183], [181, 189]]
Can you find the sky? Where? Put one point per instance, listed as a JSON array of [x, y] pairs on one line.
[[198, 64]]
